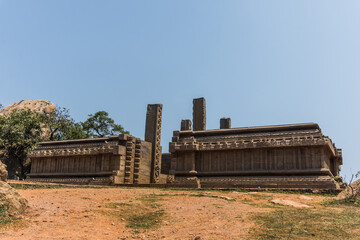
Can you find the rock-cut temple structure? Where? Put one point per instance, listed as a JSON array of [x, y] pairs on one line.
[[296, 156], [290, 157], [120, 159]]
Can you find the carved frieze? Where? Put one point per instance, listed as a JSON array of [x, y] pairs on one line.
[[85, 150]]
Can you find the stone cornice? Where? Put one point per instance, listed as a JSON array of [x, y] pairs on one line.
[[246, 130], [253, 143], [83, 151], [86, 141], [265, 136]]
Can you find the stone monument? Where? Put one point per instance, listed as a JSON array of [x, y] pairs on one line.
[[295, 156], [120, 159]]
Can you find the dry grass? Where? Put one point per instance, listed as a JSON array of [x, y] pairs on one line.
[[8, 220], [144, 213], [318, 223], [4, 217]]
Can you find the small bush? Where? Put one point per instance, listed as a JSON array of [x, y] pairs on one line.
[[4, 218], [145, 213]]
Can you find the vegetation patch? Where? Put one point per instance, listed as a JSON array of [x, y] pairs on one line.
[[257, 204], [53, 186], [4, 217], [327, 194], [259, 196], [293, 223], [145, 213], [8, 219], [204, 190], [31, 186], [213, 196], [346, 202], [86, 198]]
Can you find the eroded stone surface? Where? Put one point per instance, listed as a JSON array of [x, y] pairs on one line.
[[289, 203], [40, 106], [305, 197], [351, 191], [3, 172], [11, 199]]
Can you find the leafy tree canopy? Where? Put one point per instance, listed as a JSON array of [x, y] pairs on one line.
[[20, 130], [58, 125], [101, 125]]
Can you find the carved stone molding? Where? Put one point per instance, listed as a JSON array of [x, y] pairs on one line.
[[38, 153]]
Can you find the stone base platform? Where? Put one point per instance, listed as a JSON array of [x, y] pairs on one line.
[[289, 183], [75, 181]]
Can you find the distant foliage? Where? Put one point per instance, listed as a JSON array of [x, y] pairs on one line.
[[101, 125], [58, 125], [19, 132]]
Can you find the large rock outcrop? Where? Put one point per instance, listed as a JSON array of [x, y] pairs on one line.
[[40, 106], [11, 200]]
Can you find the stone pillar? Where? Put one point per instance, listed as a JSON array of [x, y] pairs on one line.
[[199, 114], [185, 125], [153, 135], [225, 123]]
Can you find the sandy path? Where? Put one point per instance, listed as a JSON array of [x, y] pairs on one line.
[[75, 213]]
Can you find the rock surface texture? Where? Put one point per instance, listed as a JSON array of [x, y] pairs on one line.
[[9, 198], [40, 106], [12, 200], [289, 203], [352, 191], [3, 172]]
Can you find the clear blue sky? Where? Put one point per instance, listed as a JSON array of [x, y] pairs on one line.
[[258, 62]]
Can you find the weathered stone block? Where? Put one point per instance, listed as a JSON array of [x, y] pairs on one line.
[[199, 114], [185, 125], [225, 123]]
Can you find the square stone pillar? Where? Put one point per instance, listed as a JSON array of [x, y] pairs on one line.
[[185, 125], [225, 123], [199, 114], [153, 135]]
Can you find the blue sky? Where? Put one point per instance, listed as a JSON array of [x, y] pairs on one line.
[[258, 62]]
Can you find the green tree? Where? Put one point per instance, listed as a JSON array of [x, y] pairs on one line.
[[101, 125], [75, 131], [58, 125], [20, 131]]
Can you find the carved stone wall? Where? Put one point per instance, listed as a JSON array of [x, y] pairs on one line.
[[114, 159], [153, 135], [225, 157]]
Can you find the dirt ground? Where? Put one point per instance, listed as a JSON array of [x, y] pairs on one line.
[[77, 213]]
